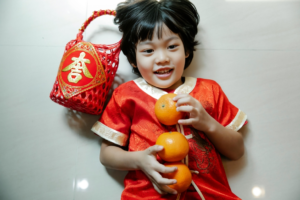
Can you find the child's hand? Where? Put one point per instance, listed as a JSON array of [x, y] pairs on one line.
[[198, 117], [152, 168]]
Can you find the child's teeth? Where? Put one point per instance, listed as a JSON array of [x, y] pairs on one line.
[[162, 72]]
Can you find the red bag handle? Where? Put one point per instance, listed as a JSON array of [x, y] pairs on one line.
[[95, 15], [91, 18]]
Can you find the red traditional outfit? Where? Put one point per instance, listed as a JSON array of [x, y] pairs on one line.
[[129, 120]]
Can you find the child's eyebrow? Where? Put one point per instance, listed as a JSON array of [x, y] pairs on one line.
[[150, 42]]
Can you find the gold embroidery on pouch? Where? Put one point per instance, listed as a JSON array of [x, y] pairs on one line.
[[77, 57], [109, 134], [76, 67]]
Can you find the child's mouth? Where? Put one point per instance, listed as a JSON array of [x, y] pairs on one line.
[[166, 71]]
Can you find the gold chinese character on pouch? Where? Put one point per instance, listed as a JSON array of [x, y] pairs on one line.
[[76, 67]]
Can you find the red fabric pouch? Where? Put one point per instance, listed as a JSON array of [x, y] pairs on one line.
[[86, 72]]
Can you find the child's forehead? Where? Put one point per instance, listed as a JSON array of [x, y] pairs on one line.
[[161, 32]]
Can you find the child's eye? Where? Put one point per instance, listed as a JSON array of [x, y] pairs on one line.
[[148, 51], [172, 46]]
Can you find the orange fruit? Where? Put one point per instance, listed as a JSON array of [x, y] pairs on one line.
[[182, 175], [165, 110], [176, 146]]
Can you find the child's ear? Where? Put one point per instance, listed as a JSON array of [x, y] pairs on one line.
[[133, 65], [187, 55]]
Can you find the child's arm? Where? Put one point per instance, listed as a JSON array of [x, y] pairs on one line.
[[113, 156], [228, 142]]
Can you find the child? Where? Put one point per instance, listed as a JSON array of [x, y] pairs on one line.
[[159, 40]]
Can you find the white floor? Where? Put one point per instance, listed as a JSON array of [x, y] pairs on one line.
[[250, 47]]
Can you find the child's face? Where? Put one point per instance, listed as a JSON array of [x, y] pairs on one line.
[[161, 61]]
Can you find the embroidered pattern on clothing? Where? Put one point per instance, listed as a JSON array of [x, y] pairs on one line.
[[200, 152]]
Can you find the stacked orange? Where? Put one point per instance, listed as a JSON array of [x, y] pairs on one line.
[[176, 146]]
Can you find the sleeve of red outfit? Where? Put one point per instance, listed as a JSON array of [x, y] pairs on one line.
[[114, 124], [227, 114]]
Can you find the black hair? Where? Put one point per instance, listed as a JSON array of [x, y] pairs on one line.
[[137, 19]]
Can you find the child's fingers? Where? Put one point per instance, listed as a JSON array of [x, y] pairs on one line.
[[185, 109], [162, 188], [160, 191], [157, 178], [160, 168], [163, 181], [187, 100], [185, 121], [179, 96], [163, 169], [154, 149], [157, 186]]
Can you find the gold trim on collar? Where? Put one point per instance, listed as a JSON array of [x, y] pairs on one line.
[[187, 87], [238, 121], [149, 89], [109, 134]]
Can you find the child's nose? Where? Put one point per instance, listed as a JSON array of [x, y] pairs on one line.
[[162, 57]]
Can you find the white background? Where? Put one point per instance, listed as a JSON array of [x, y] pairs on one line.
[[250, 47]]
